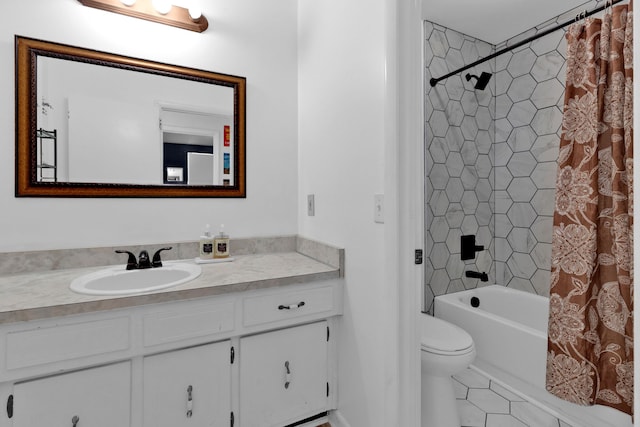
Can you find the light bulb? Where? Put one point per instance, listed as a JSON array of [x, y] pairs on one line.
[[162, 6], [195, 12], [128, 2]]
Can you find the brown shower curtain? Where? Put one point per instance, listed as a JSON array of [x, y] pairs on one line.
[[590, 351]]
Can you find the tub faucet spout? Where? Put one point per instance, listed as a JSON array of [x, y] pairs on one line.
[[476, 275]]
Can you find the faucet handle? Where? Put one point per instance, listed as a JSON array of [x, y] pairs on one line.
[[157, 262], [468, 247], [132, 264]]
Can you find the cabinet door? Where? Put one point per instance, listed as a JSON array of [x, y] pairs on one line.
[[283, 375], [97, 397], [196, 379]]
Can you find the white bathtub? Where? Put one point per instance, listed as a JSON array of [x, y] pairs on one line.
[[509, 329]]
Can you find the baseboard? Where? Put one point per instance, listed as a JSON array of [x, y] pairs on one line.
[[337, 420]]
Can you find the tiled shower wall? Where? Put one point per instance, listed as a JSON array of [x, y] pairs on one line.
[[491, 160], [529, 103], [460, 128]]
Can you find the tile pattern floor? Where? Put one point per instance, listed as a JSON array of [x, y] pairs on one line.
[[484, 403]]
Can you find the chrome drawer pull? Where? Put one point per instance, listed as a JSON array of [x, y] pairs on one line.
[[291, 306]]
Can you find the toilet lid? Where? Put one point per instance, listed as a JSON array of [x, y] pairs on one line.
[[439, 336]]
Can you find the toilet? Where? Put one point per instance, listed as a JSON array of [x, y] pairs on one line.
[[446, 350]]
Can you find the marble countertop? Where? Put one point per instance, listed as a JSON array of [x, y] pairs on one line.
[[30, 296]]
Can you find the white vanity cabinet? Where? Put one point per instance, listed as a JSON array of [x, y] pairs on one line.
[[252, 358], [96, 397], [283, 375], [188, 387]]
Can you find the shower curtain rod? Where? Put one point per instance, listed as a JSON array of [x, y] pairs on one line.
[[581, 15]]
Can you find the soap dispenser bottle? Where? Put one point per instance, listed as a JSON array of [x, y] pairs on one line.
[[206, 244], [221, 244]]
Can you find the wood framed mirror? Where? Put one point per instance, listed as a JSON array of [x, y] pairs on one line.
[[96, 124]]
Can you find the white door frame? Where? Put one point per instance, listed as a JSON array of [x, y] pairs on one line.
[[410, 181]]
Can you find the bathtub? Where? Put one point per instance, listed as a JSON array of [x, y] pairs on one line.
[[509, 329]]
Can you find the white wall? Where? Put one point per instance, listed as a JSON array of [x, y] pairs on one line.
[[345, 132], [250, 38], [344, 60]]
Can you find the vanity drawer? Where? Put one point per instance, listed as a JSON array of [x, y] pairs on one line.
[[189, 321], [287, 305], [48, 344]]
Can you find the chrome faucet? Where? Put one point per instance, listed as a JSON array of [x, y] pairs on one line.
[[143, 260]]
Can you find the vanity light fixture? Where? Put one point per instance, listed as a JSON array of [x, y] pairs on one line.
[[160, 11], [162, 6], [195, 12]]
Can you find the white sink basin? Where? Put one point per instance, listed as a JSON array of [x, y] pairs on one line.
[[120, 281]]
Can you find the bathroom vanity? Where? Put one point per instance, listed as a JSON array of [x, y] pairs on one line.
[[249, 343]]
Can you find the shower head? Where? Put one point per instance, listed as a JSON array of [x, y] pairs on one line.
[[481, 82]]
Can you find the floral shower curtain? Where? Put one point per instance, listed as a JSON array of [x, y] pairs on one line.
[[590, 344]]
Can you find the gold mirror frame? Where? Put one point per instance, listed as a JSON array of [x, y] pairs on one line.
[[27, 51]]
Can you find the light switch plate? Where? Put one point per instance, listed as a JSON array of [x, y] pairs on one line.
[[378, 208], [311, 205]]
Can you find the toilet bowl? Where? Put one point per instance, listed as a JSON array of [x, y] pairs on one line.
[[446, 350]]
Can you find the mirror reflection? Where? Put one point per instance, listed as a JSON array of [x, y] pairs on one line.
[[114, 124], [131, 126]]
